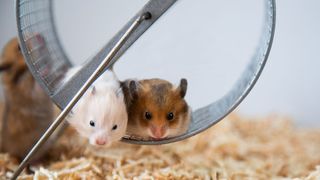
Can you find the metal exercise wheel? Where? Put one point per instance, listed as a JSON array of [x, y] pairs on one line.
[[48, 63]]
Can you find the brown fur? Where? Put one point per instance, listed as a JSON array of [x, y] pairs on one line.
[[12, 62], [28, 109], [159, 97]]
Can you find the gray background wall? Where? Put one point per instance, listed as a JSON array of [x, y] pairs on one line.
[[219, 36]]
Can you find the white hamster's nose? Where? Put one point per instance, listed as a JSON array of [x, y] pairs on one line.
[[101, 141]]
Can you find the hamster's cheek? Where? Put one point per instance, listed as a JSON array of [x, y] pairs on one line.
[[143, 123], [117, 138], [174, 132], [148, 134], [92, 140], [175, 124], [179, 127], [82, 131], [145, 132]]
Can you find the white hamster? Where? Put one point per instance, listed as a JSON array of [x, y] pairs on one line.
[[100, 115]]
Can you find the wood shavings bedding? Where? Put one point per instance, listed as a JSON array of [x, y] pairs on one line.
[[236, 148]]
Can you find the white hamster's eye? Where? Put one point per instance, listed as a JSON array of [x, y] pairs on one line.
[[170, 116], [114, 127], [92, 123]]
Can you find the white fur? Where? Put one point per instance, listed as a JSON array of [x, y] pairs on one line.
[[105, 107]]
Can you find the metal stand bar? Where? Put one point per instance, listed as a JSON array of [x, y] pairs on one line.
[[104, 64]]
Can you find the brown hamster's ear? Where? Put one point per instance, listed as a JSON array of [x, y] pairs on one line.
[[19, 48], [133, 89], [119, 92], [182, 88], [130, 91], [5, 66], [130, 88]]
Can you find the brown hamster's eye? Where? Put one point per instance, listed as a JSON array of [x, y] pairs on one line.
[[148, 115], [170, 116], [19, 48], [114, 127], [92, 123]]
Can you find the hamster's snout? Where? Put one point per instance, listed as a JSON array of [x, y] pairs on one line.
[[158, 132], [101, 141]]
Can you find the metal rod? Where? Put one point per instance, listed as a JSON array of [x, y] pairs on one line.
[[79, 94]]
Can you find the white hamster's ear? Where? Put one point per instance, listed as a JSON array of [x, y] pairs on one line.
[[110, 75], [182, 88], [93, 90]]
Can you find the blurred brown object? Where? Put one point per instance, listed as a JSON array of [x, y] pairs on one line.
[[28, 110]]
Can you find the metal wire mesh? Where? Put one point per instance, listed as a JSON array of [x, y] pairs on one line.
[[40, 43]]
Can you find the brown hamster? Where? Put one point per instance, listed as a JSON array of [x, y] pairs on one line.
[[12, 62], [156, 108], [28, 109]]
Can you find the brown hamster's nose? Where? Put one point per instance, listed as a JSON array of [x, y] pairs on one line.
[[101, 141], [158, 132]]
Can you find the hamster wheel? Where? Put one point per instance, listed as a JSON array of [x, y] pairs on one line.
[[48, 62]]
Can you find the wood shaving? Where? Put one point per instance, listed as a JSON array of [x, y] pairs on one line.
[[236, 148]]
